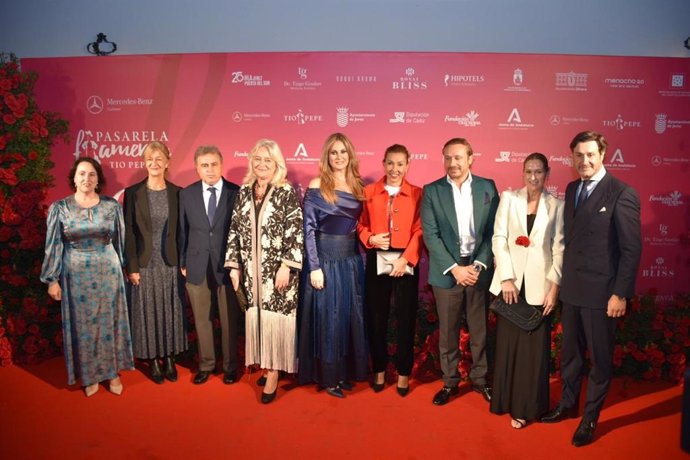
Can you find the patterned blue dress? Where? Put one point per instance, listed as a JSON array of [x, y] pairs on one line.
[[332, 334], [84, 253]]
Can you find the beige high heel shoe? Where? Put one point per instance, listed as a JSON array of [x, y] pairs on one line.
[[91, 390], [115, 386]]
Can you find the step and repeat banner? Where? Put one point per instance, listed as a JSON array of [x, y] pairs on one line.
[[506, 105]]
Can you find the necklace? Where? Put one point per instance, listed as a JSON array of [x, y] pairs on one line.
[[259, 191], [156, 187]]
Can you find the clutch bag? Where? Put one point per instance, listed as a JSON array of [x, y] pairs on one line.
[[384, 262], [525, 316]]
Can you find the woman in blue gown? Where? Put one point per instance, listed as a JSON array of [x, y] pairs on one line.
[[83, 269], [332, 339]]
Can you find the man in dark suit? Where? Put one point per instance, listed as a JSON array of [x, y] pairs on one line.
[[458, 214], [205, 211], [602, 253]]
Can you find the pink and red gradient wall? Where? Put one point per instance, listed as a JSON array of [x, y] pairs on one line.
[[507, 105]]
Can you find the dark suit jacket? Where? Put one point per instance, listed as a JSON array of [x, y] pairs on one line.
[[603, 244], [138, 239], [200, 241], [441, 235]]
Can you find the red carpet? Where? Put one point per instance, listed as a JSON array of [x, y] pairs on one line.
[[42, 418]]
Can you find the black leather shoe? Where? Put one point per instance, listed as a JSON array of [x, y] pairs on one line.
[[402, 391], [262, 381], [229, 377], [377, 387], [268, 397], [559, 414], [156, 374], [201, 377], [584, 434], [170, 369], [444, 394], [484, 390], [347, 386], [336, 391]]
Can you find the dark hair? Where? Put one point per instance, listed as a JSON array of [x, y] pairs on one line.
[[539, 157], [586, 136], [461, 141], [96, 165], [397, 148], [205, 150]]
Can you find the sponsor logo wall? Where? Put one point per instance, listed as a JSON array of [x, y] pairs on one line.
[[507, 105]]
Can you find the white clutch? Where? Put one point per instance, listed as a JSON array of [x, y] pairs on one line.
[[384, 262]]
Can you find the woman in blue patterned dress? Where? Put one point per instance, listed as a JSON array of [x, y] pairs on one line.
[[332, 339], [83, 269]]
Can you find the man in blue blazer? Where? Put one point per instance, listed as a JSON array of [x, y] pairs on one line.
[[603, 244], [458, 214], [205, 211]]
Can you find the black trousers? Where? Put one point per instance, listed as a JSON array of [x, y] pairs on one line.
[[382, 292], [586, 329]]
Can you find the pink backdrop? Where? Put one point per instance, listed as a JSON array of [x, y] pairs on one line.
[[507, 105]]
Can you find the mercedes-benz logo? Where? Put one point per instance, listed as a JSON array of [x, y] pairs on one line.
[[94, 105], [236, 117], [555, 120], [656, 160]]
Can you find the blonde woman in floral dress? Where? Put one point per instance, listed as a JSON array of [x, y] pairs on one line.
[[264, 255]]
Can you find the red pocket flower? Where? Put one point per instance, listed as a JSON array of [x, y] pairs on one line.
[[522, 241]]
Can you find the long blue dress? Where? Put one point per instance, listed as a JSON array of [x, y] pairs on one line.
[[84, 253], [332, 334]]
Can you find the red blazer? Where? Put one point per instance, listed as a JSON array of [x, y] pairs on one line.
[[407, 223]]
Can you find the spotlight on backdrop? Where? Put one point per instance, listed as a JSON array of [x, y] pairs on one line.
[[101, 47]]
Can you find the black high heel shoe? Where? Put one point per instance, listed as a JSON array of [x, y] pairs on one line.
[[268, 397], [170, 369], [156, 374]]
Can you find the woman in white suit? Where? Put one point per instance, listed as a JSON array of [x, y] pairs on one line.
[[528, 247]]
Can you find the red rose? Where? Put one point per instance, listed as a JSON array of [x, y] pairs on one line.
[[8, 119], [522, 241]]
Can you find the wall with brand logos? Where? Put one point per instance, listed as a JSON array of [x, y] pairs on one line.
[[40, 28], [507, 105]]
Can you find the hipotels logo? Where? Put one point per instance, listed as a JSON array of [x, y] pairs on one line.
[[303, 82], [571, 81], [515, 121], [658, 269], [409, 118], [617, 161], [469, 120], [662, 123], [302, 119], [624, 82], [122, 149], [301, 155], [96, 105], [241, 78], [518, 81], [239, 117], [620, 123], [557, 120], [662, 238], [344, 117], [462, 80], [672, 200], [410, 81]]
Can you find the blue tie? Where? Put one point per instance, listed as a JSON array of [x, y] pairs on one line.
[[211, 205], [584, 193]]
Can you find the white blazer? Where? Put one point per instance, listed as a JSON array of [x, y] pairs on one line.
[[537, 265]]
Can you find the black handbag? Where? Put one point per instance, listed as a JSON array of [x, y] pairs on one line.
[[525, 316]]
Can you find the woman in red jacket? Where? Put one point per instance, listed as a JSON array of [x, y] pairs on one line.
[[391, 230]]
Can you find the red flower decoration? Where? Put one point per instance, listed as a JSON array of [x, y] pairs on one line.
[[522, 241]]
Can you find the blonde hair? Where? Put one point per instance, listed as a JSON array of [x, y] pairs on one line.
[[352, 176], [280, 176], [157, 146]]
